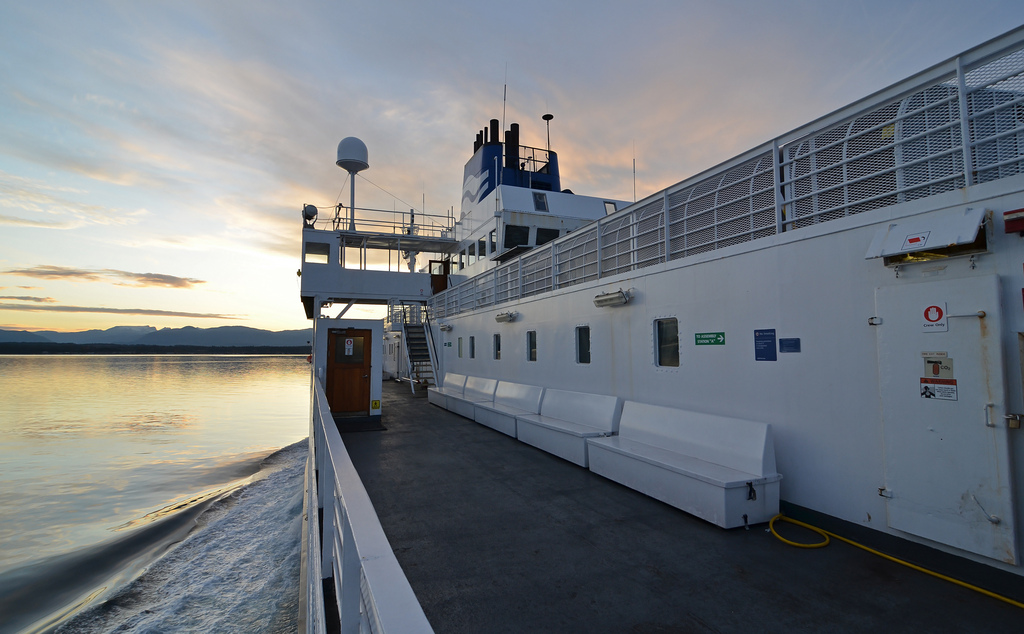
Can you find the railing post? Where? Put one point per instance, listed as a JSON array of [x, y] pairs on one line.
[[600, 272], [349, 592], [665, 222], [777, 184], [965, 125]]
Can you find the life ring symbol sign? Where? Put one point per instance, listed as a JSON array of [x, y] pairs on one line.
[[934, 314]]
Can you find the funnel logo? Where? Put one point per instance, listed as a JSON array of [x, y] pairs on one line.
[[935, 318]]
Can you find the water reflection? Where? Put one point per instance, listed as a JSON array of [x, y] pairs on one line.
[[91, 443]]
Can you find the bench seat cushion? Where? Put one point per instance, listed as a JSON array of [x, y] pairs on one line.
[[498, 416], [684, 465], [454, 385], [557, 424]]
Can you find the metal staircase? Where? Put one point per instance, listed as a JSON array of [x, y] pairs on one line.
[[421, 366]]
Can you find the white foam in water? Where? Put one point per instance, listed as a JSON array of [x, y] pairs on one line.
[[238, 571]]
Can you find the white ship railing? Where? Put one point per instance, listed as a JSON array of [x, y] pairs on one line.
[[372, 593], [954, 125]]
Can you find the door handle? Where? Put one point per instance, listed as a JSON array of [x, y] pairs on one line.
[[365, 375]]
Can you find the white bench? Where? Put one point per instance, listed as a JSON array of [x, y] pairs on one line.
[[454, 385], [477, 390], [566, 420], [510, 400], [717, 468]]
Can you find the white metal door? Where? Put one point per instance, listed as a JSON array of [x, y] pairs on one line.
[[947, 472]]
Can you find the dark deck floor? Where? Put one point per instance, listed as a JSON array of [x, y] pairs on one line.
[[497, 536]]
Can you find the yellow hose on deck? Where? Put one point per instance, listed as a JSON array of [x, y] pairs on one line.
[[827, 535]]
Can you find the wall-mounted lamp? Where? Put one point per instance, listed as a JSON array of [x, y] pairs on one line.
[[616, 298], [503, 318], [445, 327]]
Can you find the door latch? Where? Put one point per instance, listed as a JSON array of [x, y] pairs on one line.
[[1013, 420]]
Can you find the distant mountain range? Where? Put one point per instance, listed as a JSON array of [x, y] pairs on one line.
[[224, 336]]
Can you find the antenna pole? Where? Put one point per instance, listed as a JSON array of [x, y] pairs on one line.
[[547, 120]]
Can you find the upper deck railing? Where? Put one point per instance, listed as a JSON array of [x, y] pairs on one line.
[[954, 125], [381, 221]]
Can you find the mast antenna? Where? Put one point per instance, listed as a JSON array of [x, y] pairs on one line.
[[547, 120]]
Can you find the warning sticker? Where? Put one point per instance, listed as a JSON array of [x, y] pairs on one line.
[[935, 318], [941, 389], [348, 347], [374, 404], [915, 241]]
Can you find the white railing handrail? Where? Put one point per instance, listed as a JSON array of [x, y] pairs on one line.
[[948, 127], [371, 589]]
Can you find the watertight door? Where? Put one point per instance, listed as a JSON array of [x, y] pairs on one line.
[[348, 371], [947, 475]]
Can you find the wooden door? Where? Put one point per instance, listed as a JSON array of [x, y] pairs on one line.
[[348, 371]]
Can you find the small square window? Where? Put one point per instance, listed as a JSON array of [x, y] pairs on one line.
[[318, 252], [667, 341], [531, 345], [497, 346], [516, 235], [609, 207], [546, 235], [582, 344], [540, 201]]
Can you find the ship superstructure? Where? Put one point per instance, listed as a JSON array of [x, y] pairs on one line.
[[849, 293]]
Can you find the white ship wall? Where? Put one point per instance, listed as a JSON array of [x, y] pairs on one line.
[[813, 284]]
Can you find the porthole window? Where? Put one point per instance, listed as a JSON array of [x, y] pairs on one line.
[[666, 337], [582, 344]]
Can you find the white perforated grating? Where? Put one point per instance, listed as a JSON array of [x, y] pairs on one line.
[[897, 150]]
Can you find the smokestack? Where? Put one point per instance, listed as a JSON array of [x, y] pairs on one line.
[[512, 147], [479, 141], [494, 131]]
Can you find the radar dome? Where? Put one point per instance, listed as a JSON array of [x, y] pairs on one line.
[[352, 155]]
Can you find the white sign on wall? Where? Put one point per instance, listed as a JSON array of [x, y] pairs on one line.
[[935, 318]]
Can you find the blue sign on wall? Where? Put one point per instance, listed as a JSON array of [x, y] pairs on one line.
[[764, 345]]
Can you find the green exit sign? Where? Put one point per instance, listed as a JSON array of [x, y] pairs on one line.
[[709, 338]]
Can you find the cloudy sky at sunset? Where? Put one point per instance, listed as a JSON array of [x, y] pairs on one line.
[[154, 155]]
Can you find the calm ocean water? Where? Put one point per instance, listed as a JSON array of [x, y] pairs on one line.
[[151, 493]]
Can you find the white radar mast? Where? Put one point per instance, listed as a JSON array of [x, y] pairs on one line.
[[353, 158]]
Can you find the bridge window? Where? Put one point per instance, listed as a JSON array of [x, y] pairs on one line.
[[666, 339], [582, 344], [516, 235], [609, 207], [531, 345], [481, 249], [546, 235], [318, 252], [492, 244]]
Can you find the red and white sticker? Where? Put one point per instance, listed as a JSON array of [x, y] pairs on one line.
[[934, 318], [915, 241]]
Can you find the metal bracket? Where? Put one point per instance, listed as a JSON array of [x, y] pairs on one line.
[[874, 321], [980, 315], [884, 492]]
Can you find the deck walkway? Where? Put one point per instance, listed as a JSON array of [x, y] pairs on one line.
[[497, 536]]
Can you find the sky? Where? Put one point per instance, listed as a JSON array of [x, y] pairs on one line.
[[155, 156]]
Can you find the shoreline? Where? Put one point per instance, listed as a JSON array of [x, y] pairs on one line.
[[37, 348]]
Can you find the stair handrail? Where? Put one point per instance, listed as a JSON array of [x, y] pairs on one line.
[[405, 348], [431, 349]]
